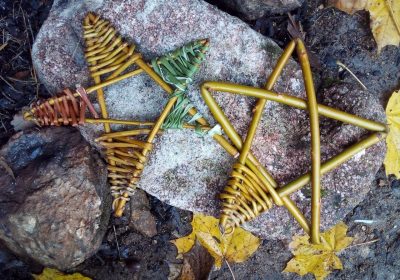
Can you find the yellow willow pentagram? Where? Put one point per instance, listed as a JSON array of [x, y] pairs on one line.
[[251, 191]]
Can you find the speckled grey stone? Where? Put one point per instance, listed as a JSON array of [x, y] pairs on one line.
[[184, 169]]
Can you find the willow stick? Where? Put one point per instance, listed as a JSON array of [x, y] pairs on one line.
[[112, 81], [259, 108], [121, 203], [296, 213], [143, 131], [333, 162], [116, 121], [297, 103], [315, 142]]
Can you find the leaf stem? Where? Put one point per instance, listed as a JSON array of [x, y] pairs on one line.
[[230, 269]]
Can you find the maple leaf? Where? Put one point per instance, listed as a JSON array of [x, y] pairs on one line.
[[54, 274], [235, 247], [392, 159], [385, 18], [318, 259]]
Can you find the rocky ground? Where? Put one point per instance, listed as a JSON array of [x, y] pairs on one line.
[[137, 246]]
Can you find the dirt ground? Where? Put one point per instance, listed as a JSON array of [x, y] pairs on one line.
[[125, 254], [19, 23]]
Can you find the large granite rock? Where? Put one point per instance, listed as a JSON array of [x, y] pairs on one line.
[[57, 209], [253, 9], [186, 170]]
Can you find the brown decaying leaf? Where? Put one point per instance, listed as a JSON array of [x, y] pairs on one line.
[[197, 264]]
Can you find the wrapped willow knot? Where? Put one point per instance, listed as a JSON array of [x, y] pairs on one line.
[[66, 108]]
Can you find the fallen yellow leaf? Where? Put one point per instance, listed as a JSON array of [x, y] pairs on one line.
[[318, 259], [235, 247], [185, 243], [54, 274], [392, 159], [385, 18]]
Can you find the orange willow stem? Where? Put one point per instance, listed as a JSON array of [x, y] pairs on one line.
[[315, 142]]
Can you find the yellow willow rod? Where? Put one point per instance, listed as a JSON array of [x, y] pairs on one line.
[[332, 163], [315, 142], [121, 203], [259, 108], [115, 121], [297, 103], [253, 163], [143, 131]]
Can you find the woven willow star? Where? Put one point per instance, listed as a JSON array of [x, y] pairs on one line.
[[251, 190], [109, 57]]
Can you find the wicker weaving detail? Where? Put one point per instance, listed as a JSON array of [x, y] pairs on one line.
[[129, 161], [249, 194], [66, 108], [251, 190]]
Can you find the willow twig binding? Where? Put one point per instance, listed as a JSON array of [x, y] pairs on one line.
[[248, 193]]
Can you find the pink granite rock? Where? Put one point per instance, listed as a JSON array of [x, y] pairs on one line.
[[186, 170]]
